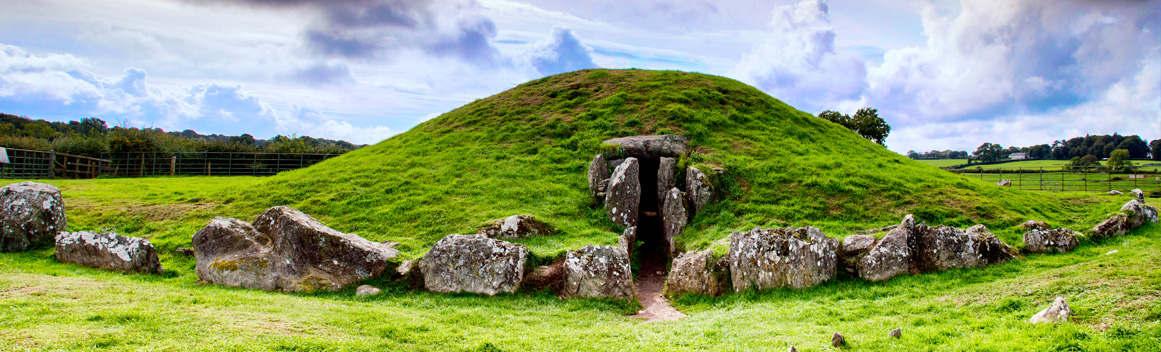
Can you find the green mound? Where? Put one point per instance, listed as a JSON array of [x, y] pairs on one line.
[[526, 150]]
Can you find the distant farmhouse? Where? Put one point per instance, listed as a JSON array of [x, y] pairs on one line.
[[1018, 156]]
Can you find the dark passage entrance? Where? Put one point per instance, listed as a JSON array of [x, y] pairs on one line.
[[652, 255]]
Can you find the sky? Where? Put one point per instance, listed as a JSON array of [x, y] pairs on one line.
[[944, 74]]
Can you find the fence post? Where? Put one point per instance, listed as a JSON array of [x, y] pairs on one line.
[[51, 164], [172, 164], [1041, 178], [1062, 170]]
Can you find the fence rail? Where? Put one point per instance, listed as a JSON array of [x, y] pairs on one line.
[[49, 164], [1066, 179]]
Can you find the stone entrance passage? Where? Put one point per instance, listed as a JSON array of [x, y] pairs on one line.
[[655, 160]]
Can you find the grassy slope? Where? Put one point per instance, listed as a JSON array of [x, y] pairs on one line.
[[943, 162], [49, 305]]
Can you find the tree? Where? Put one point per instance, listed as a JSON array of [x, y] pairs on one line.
[[40, 129], [1083, 162], [912, 154], [869, 125], [1120, 160], [989, 152], [1135, 145], [866, 123], [245, 139], [1155, 149]]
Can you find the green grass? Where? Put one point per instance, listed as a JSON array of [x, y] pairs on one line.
[[944, 162], [45, 304], [1071, 181]]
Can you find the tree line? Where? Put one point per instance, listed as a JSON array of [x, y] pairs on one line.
[[1097, 147], [92, 137]]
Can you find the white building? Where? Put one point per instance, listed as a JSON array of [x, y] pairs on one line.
[[1018, 156]]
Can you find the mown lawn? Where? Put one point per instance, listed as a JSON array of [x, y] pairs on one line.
[[943, 162], [49, 305]]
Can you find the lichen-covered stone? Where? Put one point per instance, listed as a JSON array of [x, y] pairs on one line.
[[1004, 183], [598, 272], [598, 171], [782, 257], [673, 218], [1139, 195], [698, 190], [1058, 311], [628, 240], [695, 272], [1034, 225], [286, 250], [367, 291], [474, 264], [1055, 240], [517, 226], [853, 248], [546, 277], [888, 257], [941, 248], [1132, 215], [666, 178], [651, 146], [31, 215], [107, 251], [624, 194]]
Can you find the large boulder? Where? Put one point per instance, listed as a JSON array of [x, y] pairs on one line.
[[666, 178], [31, 215], [598, 171], [475, 264], [673, 218], [886, 258], [698, 273], [598, 272], [624, 193], [941, 248], [286, 250], [1055, 240], [107, 251], [1132, 215], [698, 190], [545, 277], [1139, 195], [853, 248], [782, 257], [517, 226], [651, 146]]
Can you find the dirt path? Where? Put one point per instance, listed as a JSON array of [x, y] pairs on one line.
[[651, 291]]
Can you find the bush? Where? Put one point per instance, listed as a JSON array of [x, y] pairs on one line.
[[29, 143], [86, 146]]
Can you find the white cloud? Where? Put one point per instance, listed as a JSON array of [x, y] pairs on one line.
[[798, 62], [563, 52]]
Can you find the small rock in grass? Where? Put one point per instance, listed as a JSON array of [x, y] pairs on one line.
[[792, 349], [1034, 225], [1057, 312], [895, 333], [184, 251], [366, 291], [1004, 183], [1111, 252], [838, 340], [1115, 193]]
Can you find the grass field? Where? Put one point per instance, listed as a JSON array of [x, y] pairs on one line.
[[1055, 165], [45, 304], [943, 162]]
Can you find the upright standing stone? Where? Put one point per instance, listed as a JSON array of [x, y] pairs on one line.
[[887, 258], [31, 215], [473, 263], [624, 195], [666, 178], [628, 240], [107, 251], [598, 171], [698, 189], [598, 272], [673, 218]]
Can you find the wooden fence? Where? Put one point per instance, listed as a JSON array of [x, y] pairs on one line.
[[1065, 179], [49, 164]]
